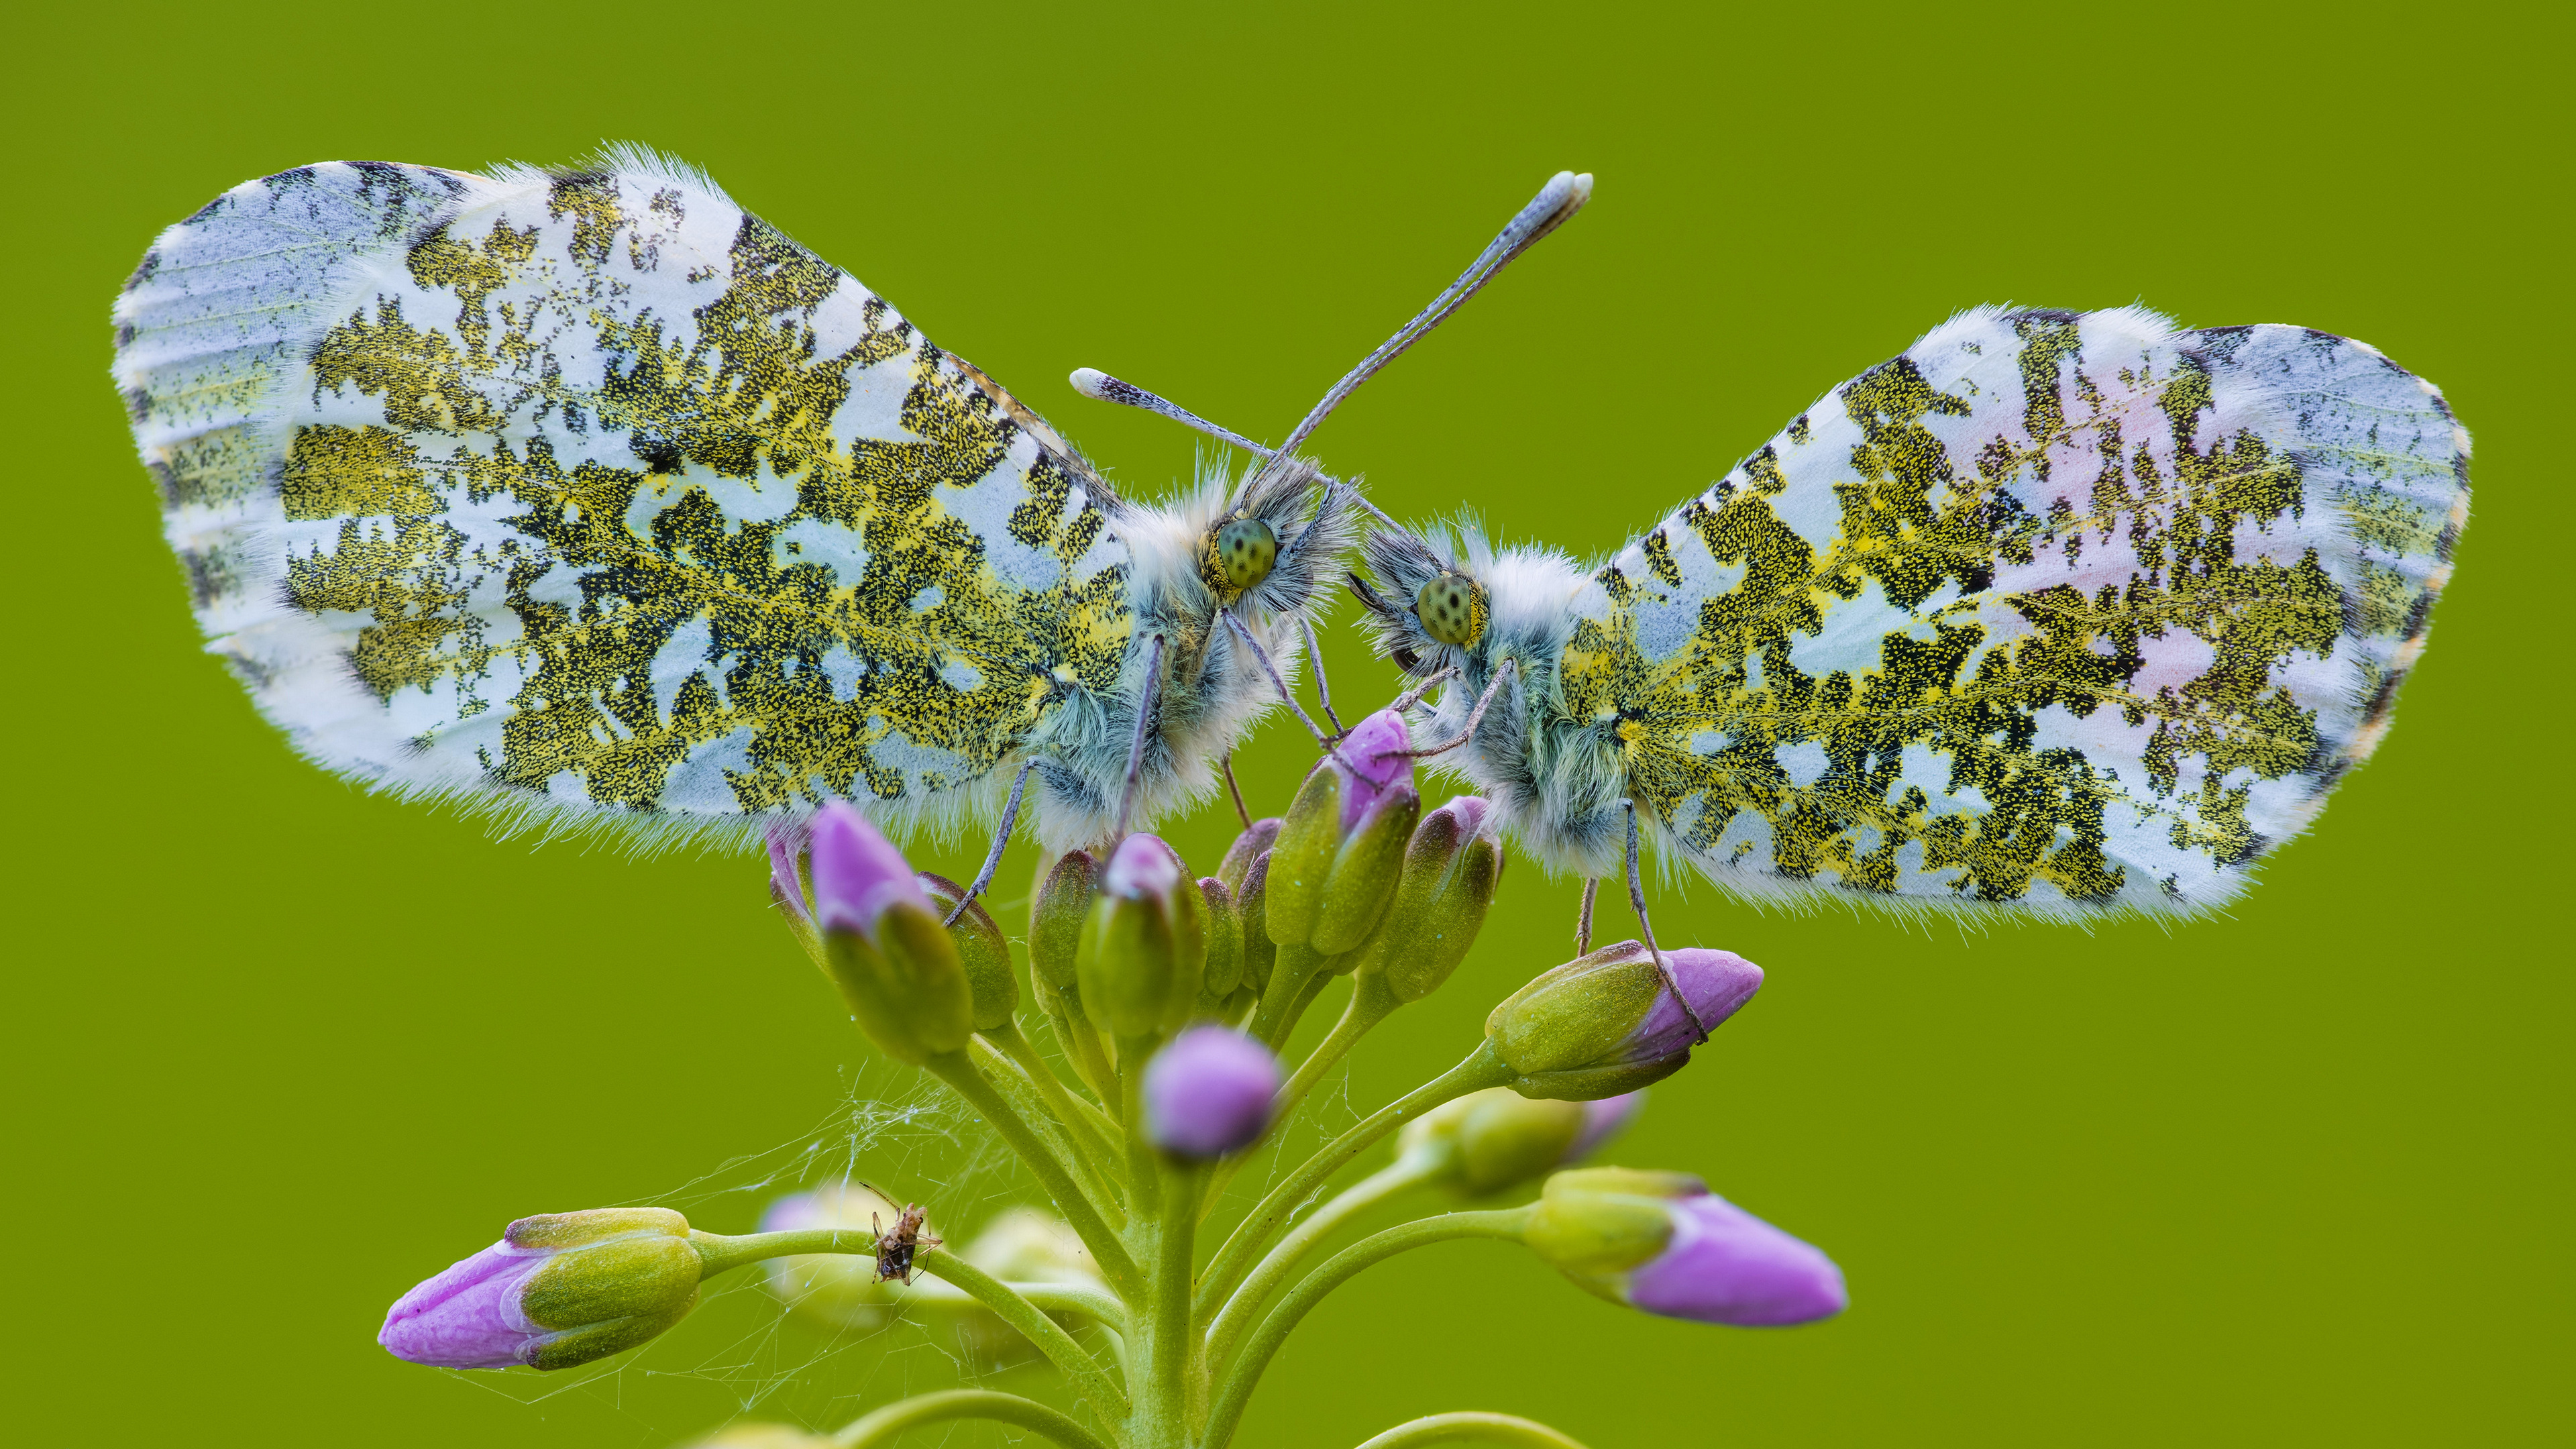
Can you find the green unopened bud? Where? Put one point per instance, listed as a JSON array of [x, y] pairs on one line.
[[1021, 1245], [1143, 951], [1341, 846], [1450, 870], [1594, 1224], [1252, 908], [1224, 941], [749, 1434], [1608, 1023], [1056, 915], [1497, 1139], [559, 1289], [1257, 837], [895, 963], [982, 948]]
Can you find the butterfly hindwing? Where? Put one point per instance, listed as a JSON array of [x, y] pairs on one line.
[[592, 496], [2052, 612]]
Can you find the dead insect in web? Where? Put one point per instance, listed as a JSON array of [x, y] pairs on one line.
[[895, 1249]]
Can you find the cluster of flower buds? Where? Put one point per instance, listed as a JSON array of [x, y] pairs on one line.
[[1341, 846], [1662, 1242], [1605, 1023], [1450, 870], [1495, 1140], [559, 1289]]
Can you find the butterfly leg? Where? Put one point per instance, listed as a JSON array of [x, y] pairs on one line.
[[1637, 900], [1144, 723], [1475, 716], [1326, 741], [1413, 696], [1323, 691], [1225, 766], [1583, 920], [1001, 839]]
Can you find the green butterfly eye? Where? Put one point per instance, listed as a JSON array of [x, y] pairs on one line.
[[1245, 550], [1452, 609]]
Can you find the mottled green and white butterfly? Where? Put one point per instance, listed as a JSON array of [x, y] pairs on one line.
[[587, 497], [2053, 614]]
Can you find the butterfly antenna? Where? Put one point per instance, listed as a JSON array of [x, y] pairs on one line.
[[1091, 382], [1560, 199]]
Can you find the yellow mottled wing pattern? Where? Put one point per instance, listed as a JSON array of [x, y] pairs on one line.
[[2053, 612], [592, 497]]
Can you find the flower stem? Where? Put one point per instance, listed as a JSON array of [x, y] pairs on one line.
[[1098, 1134], [884, 1424], [1010, 1078], [1090, 1380], [1481, 1069], [1240, 1377], [1083, 1048], [1508, 1429], [1368, 1192], [1167, 1404], [1295, 976], [1372, 1001], [1023, 1306], [958, 1071]]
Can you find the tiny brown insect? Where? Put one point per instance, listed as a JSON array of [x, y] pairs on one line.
[[895, 1249]]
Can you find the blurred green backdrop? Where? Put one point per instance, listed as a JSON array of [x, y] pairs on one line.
[[278, 1049]]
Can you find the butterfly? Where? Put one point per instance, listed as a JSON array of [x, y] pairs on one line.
[[588, 498], [2054, 614]]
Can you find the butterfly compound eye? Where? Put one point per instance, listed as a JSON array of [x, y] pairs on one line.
[[1245, 550], [1452, 610]]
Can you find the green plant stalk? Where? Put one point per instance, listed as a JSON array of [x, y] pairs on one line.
[[1356, 1020], [1506, 1429], [1166, 1213], [958, 1071], [1090, 1059], [1089, 1378], [1008, 1077], [1481, 1069], [881, 1426], [1404, 1173], [1169, 1364], [1372, 1001], [1295, 976], [1226, 1409], [1099, 1136], [1019, 1306]]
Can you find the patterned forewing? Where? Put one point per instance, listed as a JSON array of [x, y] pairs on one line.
[[595, 495], [2052, 612]]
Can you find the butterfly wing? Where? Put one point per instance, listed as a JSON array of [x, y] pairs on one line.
[[594, 498], [2053, 612]]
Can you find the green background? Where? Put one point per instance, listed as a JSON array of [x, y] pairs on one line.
[[277, 1049]]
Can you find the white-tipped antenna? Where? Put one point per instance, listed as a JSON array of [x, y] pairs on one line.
[[1561, 198], [1091, 382]]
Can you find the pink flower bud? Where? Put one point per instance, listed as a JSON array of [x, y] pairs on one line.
[[1606, 1023], [1209, 1093], [1379, 751], [858, 873], [786, 886], [1727, 1266], [1662, 1242], [897, 966], [559, 1289]]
